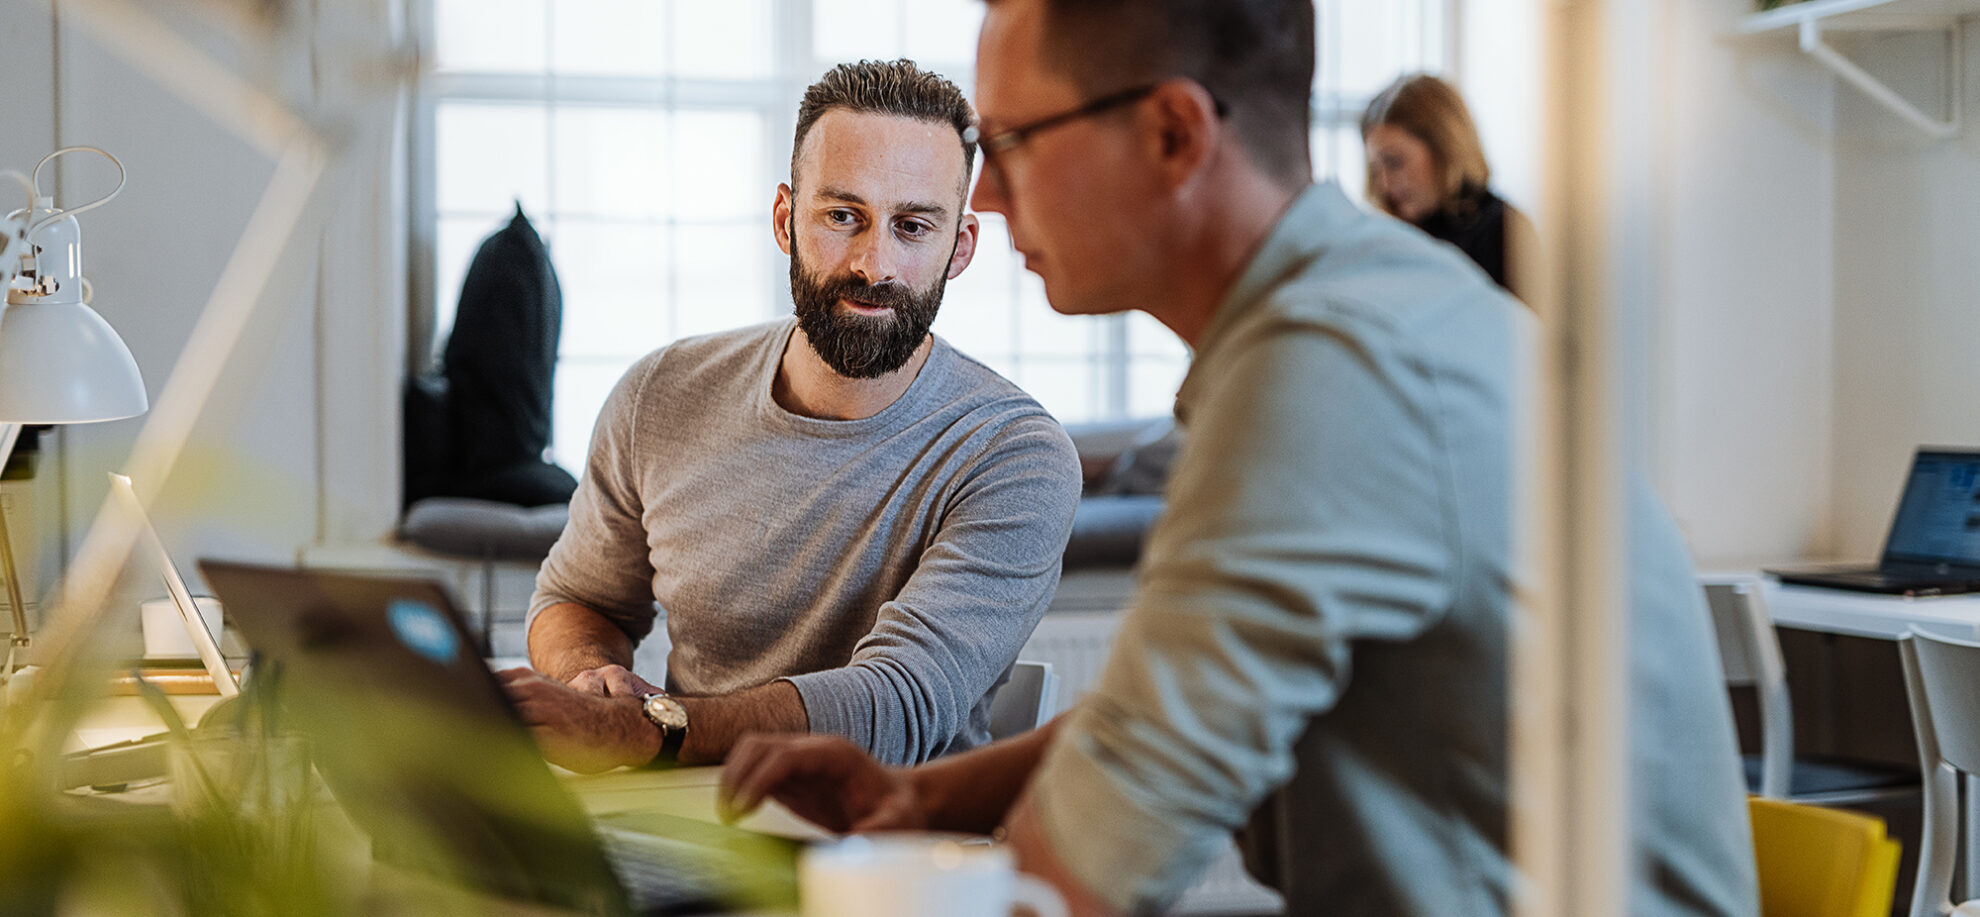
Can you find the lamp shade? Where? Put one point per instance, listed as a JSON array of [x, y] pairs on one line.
[[60, 362]]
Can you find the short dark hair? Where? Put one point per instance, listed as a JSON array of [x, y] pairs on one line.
[[1254, 56], [896, 87]]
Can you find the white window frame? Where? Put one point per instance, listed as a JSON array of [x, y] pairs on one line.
[[1111, 358]]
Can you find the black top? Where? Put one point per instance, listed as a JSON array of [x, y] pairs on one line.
[[1474, 221]]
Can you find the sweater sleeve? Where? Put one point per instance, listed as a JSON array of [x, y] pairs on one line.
[[601, 560], [978, 589]]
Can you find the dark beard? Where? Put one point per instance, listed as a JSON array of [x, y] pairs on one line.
[[862, 346]]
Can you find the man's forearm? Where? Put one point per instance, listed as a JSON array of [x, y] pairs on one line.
[[974, 791], [716, 724], [567, 638]]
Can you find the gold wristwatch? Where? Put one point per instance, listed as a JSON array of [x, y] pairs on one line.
[[667, 715]]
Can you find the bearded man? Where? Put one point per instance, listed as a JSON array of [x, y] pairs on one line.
[[850, 527]]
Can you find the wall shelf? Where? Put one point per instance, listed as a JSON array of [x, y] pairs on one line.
[[1812, 18]]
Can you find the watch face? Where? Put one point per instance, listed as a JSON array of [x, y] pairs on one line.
[[666, 711]]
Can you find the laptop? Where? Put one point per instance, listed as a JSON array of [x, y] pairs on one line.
[[418, 743], [1934, 543]]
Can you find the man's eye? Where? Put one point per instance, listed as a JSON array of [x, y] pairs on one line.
[[842, 217], [913, 228]]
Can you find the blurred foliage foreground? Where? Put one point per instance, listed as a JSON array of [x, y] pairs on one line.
[[243, 821]]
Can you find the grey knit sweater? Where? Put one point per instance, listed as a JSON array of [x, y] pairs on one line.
[[890, 568]]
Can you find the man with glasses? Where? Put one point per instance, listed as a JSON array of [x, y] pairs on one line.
[[851, 527], [1317, 650]]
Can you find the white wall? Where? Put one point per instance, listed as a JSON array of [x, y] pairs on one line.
[[29, 37], [1745, 427], [299, 444], [1907, 289]]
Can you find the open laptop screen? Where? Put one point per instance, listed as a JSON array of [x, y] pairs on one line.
[[1938, 518]]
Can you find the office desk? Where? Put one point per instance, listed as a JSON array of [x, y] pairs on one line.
[[688, 792], [1863, 614], [1888, 617]]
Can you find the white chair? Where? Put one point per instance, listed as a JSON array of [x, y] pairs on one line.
[[1027, 700], [1750, 653], [1942, 681]]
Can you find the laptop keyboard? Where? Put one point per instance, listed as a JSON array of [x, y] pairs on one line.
[[662, 876], [671, 865]]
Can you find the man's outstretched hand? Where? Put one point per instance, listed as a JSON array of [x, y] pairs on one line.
[[824, 779], [586, 732]]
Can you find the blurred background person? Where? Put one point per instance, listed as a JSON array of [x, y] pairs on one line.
[[1426, 167]]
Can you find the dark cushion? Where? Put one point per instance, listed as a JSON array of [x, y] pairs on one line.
[[1143, 467], [484, 528], [502, 350], [1109, 531]]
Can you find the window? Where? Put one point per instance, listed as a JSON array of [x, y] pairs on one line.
[[644, 139]]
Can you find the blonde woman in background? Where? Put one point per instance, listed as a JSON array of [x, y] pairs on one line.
[[1426, 167]]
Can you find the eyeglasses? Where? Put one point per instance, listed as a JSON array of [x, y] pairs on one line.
[[1005, 141]]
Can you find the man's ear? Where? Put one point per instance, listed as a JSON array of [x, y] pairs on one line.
[[966, 230], [780, 216], [1187, 128]]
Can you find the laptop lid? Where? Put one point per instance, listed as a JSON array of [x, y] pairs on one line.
[[413, 734], [1938, 517], [203, 640]]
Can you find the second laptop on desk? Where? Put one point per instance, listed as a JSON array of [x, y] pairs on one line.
[[417, 741], [1933, 547]]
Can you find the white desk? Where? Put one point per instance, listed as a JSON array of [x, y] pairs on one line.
[[1864, 614], [1887, 617]]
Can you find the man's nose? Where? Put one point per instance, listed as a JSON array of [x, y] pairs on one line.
[[874, 258], [989, 195]]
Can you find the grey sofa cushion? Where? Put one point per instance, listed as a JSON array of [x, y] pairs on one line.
[[484, 528], [1108, 531]]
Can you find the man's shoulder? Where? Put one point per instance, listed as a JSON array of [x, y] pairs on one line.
[[708, 359], [973, 395]]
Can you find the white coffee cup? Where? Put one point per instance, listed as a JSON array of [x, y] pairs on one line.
[[917, 874], [165, 635]]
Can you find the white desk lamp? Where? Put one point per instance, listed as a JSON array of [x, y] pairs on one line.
[[60, 362]]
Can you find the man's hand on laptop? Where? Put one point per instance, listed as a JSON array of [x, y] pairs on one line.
[[613, 681], [825, 779], [586, 732]]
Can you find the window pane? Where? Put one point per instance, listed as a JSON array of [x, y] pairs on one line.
[[614, 277], [1152, 387], [582, 386], [489, 156], [726, 40], [976, 313], [613, 162], [623, 37], [718, 173], [1338, 154], [489, 35], [849, 30], [941, 34], [1372, 42], [1044, 332], [1064, 387], [1150, 338], [724, 277]]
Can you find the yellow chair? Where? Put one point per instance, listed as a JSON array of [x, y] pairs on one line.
[[1818, 862]]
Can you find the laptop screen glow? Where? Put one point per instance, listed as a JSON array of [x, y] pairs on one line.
[[1938, 519]]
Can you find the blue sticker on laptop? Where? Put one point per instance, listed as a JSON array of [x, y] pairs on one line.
[[423, 628]]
